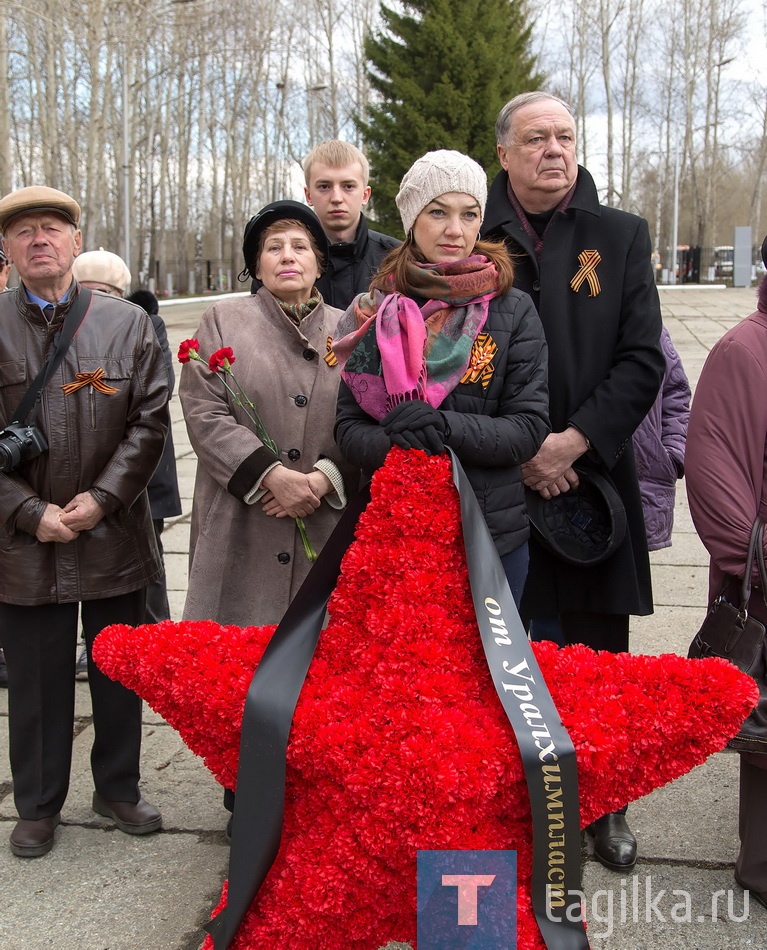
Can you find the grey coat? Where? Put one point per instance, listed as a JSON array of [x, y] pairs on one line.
[[245, 567]]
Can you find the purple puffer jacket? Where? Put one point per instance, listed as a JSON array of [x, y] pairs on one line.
[[659, 448]]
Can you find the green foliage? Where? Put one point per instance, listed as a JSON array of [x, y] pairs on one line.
[[443, 69]]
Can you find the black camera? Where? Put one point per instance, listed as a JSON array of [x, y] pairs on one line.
[[20, 443]]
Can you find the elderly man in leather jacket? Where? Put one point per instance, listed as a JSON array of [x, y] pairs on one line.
[[75, 528]]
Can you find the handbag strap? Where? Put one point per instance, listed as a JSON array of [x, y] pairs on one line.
[[760, 563], [61, 340], [756, 539]]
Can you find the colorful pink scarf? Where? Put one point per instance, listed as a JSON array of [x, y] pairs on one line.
[[391, 349]]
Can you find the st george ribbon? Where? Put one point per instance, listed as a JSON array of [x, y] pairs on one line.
[[547, 753]]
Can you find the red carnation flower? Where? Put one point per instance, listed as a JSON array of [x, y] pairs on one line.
[[188, 351], [221, 359], [221, 362]]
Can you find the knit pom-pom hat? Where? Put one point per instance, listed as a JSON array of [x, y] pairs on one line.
[[435, 174]]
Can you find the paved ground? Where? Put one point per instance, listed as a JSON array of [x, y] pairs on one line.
[[102, 890]]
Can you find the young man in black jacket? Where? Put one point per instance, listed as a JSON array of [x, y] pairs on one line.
[[337, 188]]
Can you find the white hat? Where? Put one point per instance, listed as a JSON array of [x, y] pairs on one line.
[[103, 267], [435, 174]]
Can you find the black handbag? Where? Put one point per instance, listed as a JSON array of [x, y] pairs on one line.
[[731, 633]]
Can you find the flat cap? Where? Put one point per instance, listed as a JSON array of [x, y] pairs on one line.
[[38, 198], [102, 267]]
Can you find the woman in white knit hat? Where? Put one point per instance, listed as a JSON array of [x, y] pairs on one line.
[[443, 352]]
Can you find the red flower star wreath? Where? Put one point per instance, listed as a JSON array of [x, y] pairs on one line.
[[399, 742]]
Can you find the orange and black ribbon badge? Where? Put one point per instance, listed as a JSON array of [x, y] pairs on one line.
[[93, 379], [330, 357], [588, 272], [480, 368]]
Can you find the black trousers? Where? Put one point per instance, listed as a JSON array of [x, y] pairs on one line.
[[608, 632], [39, 644], [751, 865], [157, 607], [599, 631]]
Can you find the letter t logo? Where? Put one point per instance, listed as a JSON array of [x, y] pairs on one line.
[[467, 885]]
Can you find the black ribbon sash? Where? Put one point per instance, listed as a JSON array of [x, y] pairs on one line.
[[547, 753], [259, 805]]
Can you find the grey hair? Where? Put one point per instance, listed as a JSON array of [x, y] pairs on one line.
[[503, 122]]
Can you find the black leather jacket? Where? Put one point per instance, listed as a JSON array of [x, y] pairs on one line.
[[100, 441]]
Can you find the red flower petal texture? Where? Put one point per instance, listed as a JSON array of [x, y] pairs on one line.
[[399, 741], [221, 359], [185, 347]]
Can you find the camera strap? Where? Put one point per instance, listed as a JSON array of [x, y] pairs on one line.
[[61, 340]]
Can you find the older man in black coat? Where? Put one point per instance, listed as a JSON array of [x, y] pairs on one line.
[[587, 268]]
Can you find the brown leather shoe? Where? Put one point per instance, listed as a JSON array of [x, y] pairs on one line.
[[33, 838], [140, 818]]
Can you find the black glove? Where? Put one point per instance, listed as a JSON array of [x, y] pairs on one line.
[[426, 439], [416, 425], [412, 415]]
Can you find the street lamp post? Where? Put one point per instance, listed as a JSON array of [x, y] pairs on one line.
[[715, 149], [282, 133], [675, 225], [126, 165]]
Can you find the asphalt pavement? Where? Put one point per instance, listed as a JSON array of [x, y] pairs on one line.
[[102, 890]]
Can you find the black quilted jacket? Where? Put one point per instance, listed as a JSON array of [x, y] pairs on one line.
[[492, 430]]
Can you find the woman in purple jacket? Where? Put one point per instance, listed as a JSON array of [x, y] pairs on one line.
[[727, 487], [659, 448]]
